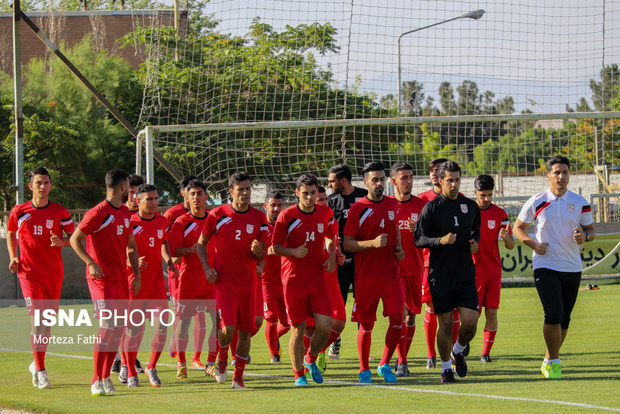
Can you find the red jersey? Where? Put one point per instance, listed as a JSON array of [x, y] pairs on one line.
[[107, 229], [428, 195], [272, 272], [173, 213], [367, 220], [149, 235], [233, 233], [38, 259], [294, 228], [487, 260], [413, 263], [186, 231]]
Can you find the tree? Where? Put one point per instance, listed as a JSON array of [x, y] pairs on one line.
[[606, 90]]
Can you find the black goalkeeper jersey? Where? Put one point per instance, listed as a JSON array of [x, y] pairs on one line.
[[440, 217]]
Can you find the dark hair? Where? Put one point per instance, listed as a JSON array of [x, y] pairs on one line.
[[196, 184], [321, 189], [38, 171], [307, 180], [114, 178], [237, 178], [185, 180], [449, 166], [557, 159], [372, 166], [274, 194], [135, 180], [145, 188], [435, 162], [341, 171], [399, 166], [484, 182]]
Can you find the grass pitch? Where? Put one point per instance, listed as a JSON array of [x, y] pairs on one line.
[[511, 383]]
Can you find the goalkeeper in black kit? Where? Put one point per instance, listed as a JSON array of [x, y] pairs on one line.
[[449, 226]]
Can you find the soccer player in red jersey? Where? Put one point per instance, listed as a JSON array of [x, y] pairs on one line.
[[430, 319], [109, 243], [135, 181], [38, 226], [273, 293], [300, 234], [372, 234], [171, 215], [339, 312], [494, 225], [411, 270], [150, 231], [239, 231], [194, 295]]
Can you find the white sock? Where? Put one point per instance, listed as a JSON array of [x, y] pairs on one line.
[[445, 365], [458, 348], [546, 361]]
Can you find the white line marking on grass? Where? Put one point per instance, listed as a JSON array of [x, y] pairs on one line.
[[387, 387]]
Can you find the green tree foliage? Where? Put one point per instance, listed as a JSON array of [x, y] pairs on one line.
[[65, 129]]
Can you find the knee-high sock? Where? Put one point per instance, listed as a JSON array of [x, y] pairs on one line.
[[364, 336], [181, 348], [430, 331], [199, 332], [455, 325], [333, 335], [130, 347], [38, 344], [100, 349], [488, 340], [409, 337], [157, 346], [282, 330], [113, 344], [233, 345], [271, 334], [239, 366], [392, 336]]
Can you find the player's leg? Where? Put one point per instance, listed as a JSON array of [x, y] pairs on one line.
[[393, 305], [199, 333], [549, 288], [444, 343], [181, 335], [296, 351], [490, 330], [35, 298], [157, 346], [131, 344]]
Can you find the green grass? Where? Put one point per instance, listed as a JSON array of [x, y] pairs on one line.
[[512, 383]]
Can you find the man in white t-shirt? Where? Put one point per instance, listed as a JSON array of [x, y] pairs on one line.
[[563, 222]]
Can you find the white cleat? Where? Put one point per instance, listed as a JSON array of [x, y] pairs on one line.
[[132, 382], [43, 380], [221, 373], [122, 374], [33, 370], [153, 377], [108, 387], [97, 389]]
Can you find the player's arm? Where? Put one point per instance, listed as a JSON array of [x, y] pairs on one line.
[[258, 250], [167, 256], [331, 245], [201, 249], [422, 232], [519, 230], [76, 243], [11, 244], [299, 252], [58, 241], [353, 245], [134, 261]]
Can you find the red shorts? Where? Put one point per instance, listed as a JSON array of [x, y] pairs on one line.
[[259, 297], [173, 285], [426, 292], [151, 309], [189, 289], [109, 294], [489, 287], [368, 291], [236, 306], [273, 304], [338, 309], [412, 288], [304, 301], [41, 293]]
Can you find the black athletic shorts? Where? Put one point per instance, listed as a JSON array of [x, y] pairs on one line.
[[346, 278], [558, 293], [448, 294]]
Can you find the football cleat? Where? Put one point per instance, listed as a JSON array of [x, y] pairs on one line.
[[153, 377], [386, 372]]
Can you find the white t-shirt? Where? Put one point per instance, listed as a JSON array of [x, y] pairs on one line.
[[555, 218]]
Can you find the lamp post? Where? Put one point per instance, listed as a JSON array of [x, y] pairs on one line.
[[471, 15]]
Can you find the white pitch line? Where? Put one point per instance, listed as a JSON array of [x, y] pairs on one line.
[[387, 387]]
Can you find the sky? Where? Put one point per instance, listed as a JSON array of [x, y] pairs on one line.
[[543, 53]]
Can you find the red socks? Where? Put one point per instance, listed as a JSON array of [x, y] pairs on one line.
[[488, 340], [364, 337]]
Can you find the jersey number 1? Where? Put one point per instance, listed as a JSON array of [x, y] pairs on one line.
[[456, 221]]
